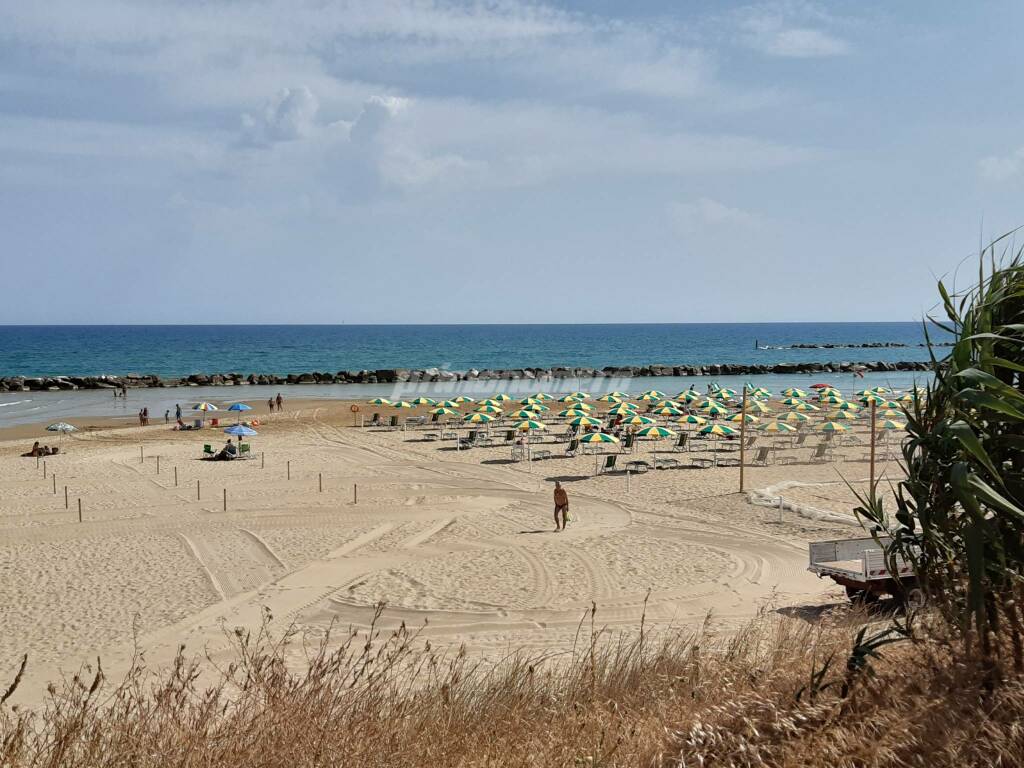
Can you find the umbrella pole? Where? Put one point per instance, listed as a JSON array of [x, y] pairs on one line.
[[743, 435]]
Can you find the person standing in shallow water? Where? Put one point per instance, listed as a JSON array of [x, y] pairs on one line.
[[561, 506], [270, 404], [280, 402]]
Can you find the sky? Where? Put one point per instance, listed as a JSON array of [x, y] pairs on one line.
[[422, 161]]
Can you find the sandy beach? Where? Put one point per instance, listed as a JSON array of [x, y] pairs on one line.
[[462, 540]]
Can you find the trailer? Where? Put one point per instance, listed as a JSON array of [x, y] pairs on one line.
[[860, 565]]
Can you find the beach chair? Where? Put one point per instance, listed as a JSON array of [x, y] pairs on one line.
[[822, 454], [609, 464], [800, 440], [681, 445], [574, 448], [208, 450], [245, 451], [761, 457], [510, 436], [393, 423], [750, 441], [627, 444]]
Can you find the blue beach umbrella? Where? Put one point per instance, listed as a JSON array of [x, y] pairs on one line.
[[239, 407], [240, 430]]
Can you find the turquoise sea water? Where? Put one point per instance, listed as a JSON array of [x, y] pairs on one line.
[[179, 350], [170, 351]]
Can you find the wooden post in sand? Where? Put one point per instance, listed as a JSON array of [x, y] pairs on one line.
[[225, 499], [262, 460], [175, 477], [289, 470], [66, 506], [743, 435], [79, 510], [142, 456], [54, 484], [198, 497], [320, 480], [158, 464], [44, 470], [355, 493], [871, 474]]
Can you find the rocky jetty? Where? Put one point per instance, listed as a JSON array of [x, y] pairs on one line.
[[410, 375]]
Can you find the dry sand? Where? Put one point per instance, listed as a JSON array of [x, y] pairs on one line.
[[461, 539]]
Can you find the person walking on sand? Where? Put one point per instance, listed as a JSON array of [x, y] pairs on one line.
[[167, 417], [177, 411], [270, 404], [280, 402], [561, 506]]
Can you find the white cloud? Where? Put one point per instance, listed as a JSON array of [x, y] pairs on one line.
[[1003, 167], [704, 214], [790, 30], [290, 115]]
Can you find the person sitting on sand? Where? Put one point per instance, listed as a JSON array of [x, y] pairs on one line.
[[561, 506], [35, 450], [54, 451], [228, 452]]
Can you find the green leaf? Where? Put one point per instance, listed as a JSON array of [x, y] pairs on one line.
[[987, 400], [962, 431]]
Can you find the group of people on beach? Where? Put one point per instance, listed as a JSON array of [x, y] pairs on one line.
[[144, 417], [278, 401], [42, 450]]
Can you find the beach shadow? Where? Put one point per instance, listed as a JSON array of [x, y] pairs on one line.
[[498, 461], [545, 530], [842, 613], [566, 478]]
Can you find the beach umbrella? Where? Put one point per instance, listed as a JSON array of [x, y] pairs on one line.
[[832, 426], [718, 429], [804, 407], [535, 407], [580, 405], [756, 406], [875, 399], [464, 399], [570, 399], [522, 414], [792, 401], [478, 418], [424, 401], [716, 410], [830, 399], [529, 400], [668, 410], [622, 409], [761, 393], [240, 430], [653, 393], [821, 386], [707, 402], [656, 432], [777, 426], [668, 404], [693, 419], [543, 396], [892, 414], [530, 424], [585, 421], [610, 399], [491, 401], [502, 398], [881, 390], [401, 404], [61, 427], [689, 396], [379, 401], [449, 404], [844, 415], [848, 406], [907, 398], [889, 424], [638, 421], [238, 408], [794, 416], [726, 392], [599, 437], [580, 395], [794, 392], [205, 407], [891, 404], [572, 412], [488, 409], [442, 411], [749, 418]]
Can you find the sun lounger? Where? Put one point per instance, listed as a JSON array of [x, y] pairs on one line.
[[541, 454], [666, 462], [573, 449], [609, 464], [638, 466], [681, 445]]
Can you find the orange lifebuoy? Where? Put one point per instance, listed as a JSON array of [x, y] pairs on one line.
[[354, 408], [255, 422]]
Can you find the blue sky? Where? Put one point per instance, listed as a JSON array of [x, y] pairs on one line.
[[427, 161]]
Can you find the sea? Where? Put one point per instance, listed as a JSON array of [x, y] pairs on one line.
[[179, 350]]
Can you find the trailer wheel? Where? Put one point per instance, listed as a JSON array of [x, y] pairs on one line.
[[915, 599], [861, 596]]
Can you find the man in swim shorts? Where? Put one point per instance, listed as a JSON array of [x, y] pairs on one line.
[[561, 507]]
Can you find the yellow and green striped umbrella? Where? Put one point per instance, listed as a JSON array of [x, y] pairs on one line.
[[529, 400], [794, 392], [668, 403], [875, 399], [442, 411], [522, 414], [580, 395], [844, 416], [464, 399], [503, 398], [792, 401], [424, 401], [718, 429], [620, 395], [599, 437], [707, 402], [572, 412], [832, 426], [891, 404], [890, 424], [689, 396], [777, 426], [804, 407], [530, 424], [656, 432], [880, 390], [794, 416], [638, 421], [750, 418], [756, 406], [491, 401], [401, 404], [543, 396], [478, 418], [489, 409], [892, 414], [830, 399], [692, 419], [449, 404], [610, 398], [535, 407], [653, 393], [848, 406], [622, 409], [380, 401], [581, 406], [649, 398], [585, 421], [667, 410], [716, 409], [570, 399], [725, 392], [761, 392]]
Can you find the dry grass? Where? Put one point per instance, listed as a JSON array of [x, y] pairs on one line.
[[390, 700]]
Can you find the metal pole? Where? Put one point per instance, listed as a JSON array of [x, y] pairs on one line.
[[44, 470], [743, 435], [874, 412]]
